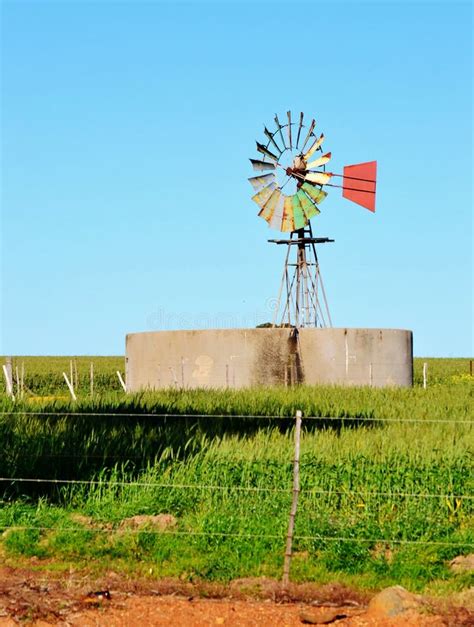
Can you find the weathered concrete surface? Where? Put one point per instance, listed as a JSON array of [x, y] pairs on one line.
[[239, 358]]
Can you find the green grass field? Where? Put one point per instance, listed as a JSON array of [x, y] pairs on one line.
[[386, 477], [43, 375]]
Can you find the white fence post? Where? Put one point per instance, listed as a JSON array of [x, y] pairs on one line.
[[8, 381], [294, 503], [70, 386], [425, 374], [122, 382]]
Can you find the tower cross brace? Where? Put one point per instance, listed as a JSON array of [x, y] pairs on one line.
[[302, 299]]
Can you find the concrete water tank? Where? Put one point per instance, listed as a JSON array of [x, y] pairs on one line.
[[238, 358]]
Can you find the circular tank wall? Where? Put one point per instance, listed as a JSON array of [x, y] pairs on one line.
[[236, 358]]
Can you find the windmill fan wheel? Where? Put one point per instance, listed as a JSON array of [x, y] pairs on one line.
[[301, 144]]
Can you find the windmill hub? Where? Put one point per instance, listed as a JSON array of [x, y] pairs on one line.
[[299, 165], [297, 170]]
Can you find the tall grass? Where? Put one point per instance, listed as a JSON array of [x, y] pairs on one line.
[[75, 440], [367, 487], [364, 493]]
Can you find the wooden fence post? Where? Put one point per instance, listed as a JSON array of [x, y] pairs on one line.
[[76, 376], [425, 374], [22, 378], [17, 377], [92, 379], [294, 503]]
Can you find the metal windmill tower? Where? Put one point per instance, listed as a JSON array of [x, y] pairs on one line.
[[302, 299]]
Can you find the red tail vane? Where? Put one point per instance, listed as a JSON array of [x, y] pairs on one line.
[[359, 184]]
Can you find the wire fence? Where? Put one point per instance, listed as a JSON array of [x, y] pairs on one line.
[[229, 488], [243, 534], [359, 419], [296, 491], [75, 380]]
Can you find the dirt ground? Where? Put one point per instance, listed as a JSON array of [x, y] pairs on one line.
[[40, 598]]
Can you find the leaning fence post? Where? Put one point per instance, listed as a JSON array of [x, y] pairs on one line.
[[425, 374], [122, 382], [70, 386], [294, 503]]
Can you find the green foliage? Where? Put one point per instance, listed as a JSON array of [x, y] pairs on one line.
[[441, 369], [363, 508], [23, 542]]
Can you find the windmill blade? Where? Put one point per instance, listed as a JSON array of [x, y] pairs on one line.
[[314, 147], [359, 184], [280, 127], [287, 223], [321, 178], [264, 194], [288, 113], [261, 148], [258, 182], [269, 207], [317, 195], [319, 162], [309, 208], [261, 166], [277, 217], [310, 131], [272, 141], [299, 129], [299, 217]]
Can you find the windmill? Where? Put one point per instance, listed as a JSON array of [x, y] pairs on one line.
[[288, 191]]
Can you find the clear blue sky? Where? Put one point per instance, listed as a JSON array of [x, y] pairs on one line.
[[126, 132]]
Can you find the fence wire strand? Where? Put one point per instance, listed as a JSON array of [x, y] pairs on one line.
[[196, 486], [360, 419], [229, 534]]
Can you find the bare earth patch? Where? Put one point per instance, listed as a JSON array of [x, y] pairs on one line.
[[44, 598]]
